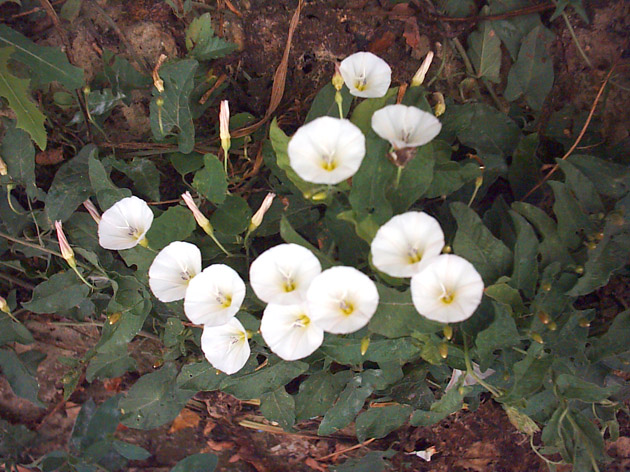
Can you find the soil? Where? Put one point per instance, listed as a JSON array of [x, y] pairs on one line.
[[329, 30]]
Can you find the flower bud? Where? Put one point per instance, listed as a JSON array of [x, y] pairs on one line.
[[201, 220], [3, 167], [543, 317], [337, 79], [448, 332], [443, 349], [419, 76], [440, 105], [365, 343], [224, 126], [157, 81], [264, 207], [537, 337], [114, 318], [91, 209], [584, 323], [4, 306], [66, 251]]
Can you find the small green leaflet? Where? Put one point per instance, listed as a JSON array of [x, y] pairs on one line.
[[201, 42], [485, 52], [17, 93]]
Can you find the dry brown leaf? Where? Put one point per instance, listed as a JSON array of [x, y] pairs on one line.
[[113, 385], [412, 33], [382, 44], [186, 419], [313, 464], [49, 157], [219, 445]]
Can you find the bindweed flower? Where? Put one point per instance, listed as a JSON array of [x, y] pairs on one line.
[[289, 331], [125, 224], [404, 245], [4, 306], [66, 251], [201, 220], [226, 346], [264, 208], [342, 300], [327, 150], [281, 275], [448, 290], [173, 269], [214, 296], [224, 126], [404, 126], [366, 75], [91, 209]]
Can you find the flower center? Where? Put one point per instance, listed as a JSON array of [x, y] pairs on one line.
[[447, 296], [302, 322], [346, 307], [360, 82], [414, 255], [288, 285], [224, 300], [328, 162]]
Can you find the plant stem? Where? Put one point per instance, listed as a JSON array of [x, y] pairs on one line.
[[575, 40], [470, 371]]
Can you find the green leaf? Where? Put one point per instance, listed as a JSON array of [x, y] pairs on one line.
[[61, 292], [572, 387], [201, 42], [524, 172], [289, 235], [613, 342], [396, 316], [610, 179], [458, 8], [17, 93], [211, 181], [197, 463], [379, 422], [130, 451], [11, 332], [450, 402], [485, 52], [22, 382], [280, 143], [482, 127], [18, 153], [278, 406], [508, 295], [573, 223], [415, 180], [318, 393], [324, 103], [529, 374], [451, 176], [95, 424], [525, 270], [582, 187], [71, 186], [350, 402], [232, 216], [174, 116], [373, 461], [365, 228], [144, 174], [200, 376], [475, 243], [532, 73], [122, 76], [348, 350], [47, 64], [154, 400], [186, 163], [267, 379], [109, 365], [175, 224], [501, 334], [512, 30], [372, 181], [106, 192]]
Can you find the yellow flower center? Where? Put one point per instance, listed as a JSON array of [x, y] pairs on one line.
[[447, 296], [224, 300], [328, 163], [360, 83], [288, 286], [414, 255], [302, 322], [346, 307]]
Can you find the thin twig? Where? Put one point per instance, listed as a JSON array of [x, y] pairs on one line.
[[342, 451], [580, 136], [16, 281], [575, 40]]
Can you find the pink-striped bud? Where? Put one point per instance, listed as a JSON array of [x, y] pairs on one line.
[[264, 207], [224, 125], [201, 220], [4, 306], [419, 76], [91, 209], [66, 251]]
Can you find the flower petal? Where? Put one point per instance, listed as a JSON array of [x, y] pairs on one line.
[[448, 290], [366, 75], [214, 296], [289, 331], [172, 270], [327, 150], [282, 274], [226, 346], [404, 245], [125, 224], [342, 300]]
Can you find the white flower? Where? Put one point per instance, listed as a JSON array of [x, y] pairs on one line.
[[469, 379], [448, 290], [290, 332], [282, 274], [342, 300], [173, 269], [125, 224], [366, 75], [405, 244], [226, 346], [327, 150], [214, 296], [405, 126]]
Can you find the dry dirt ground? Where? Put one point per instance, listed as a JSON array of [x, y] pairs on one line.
[[483, 440]]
